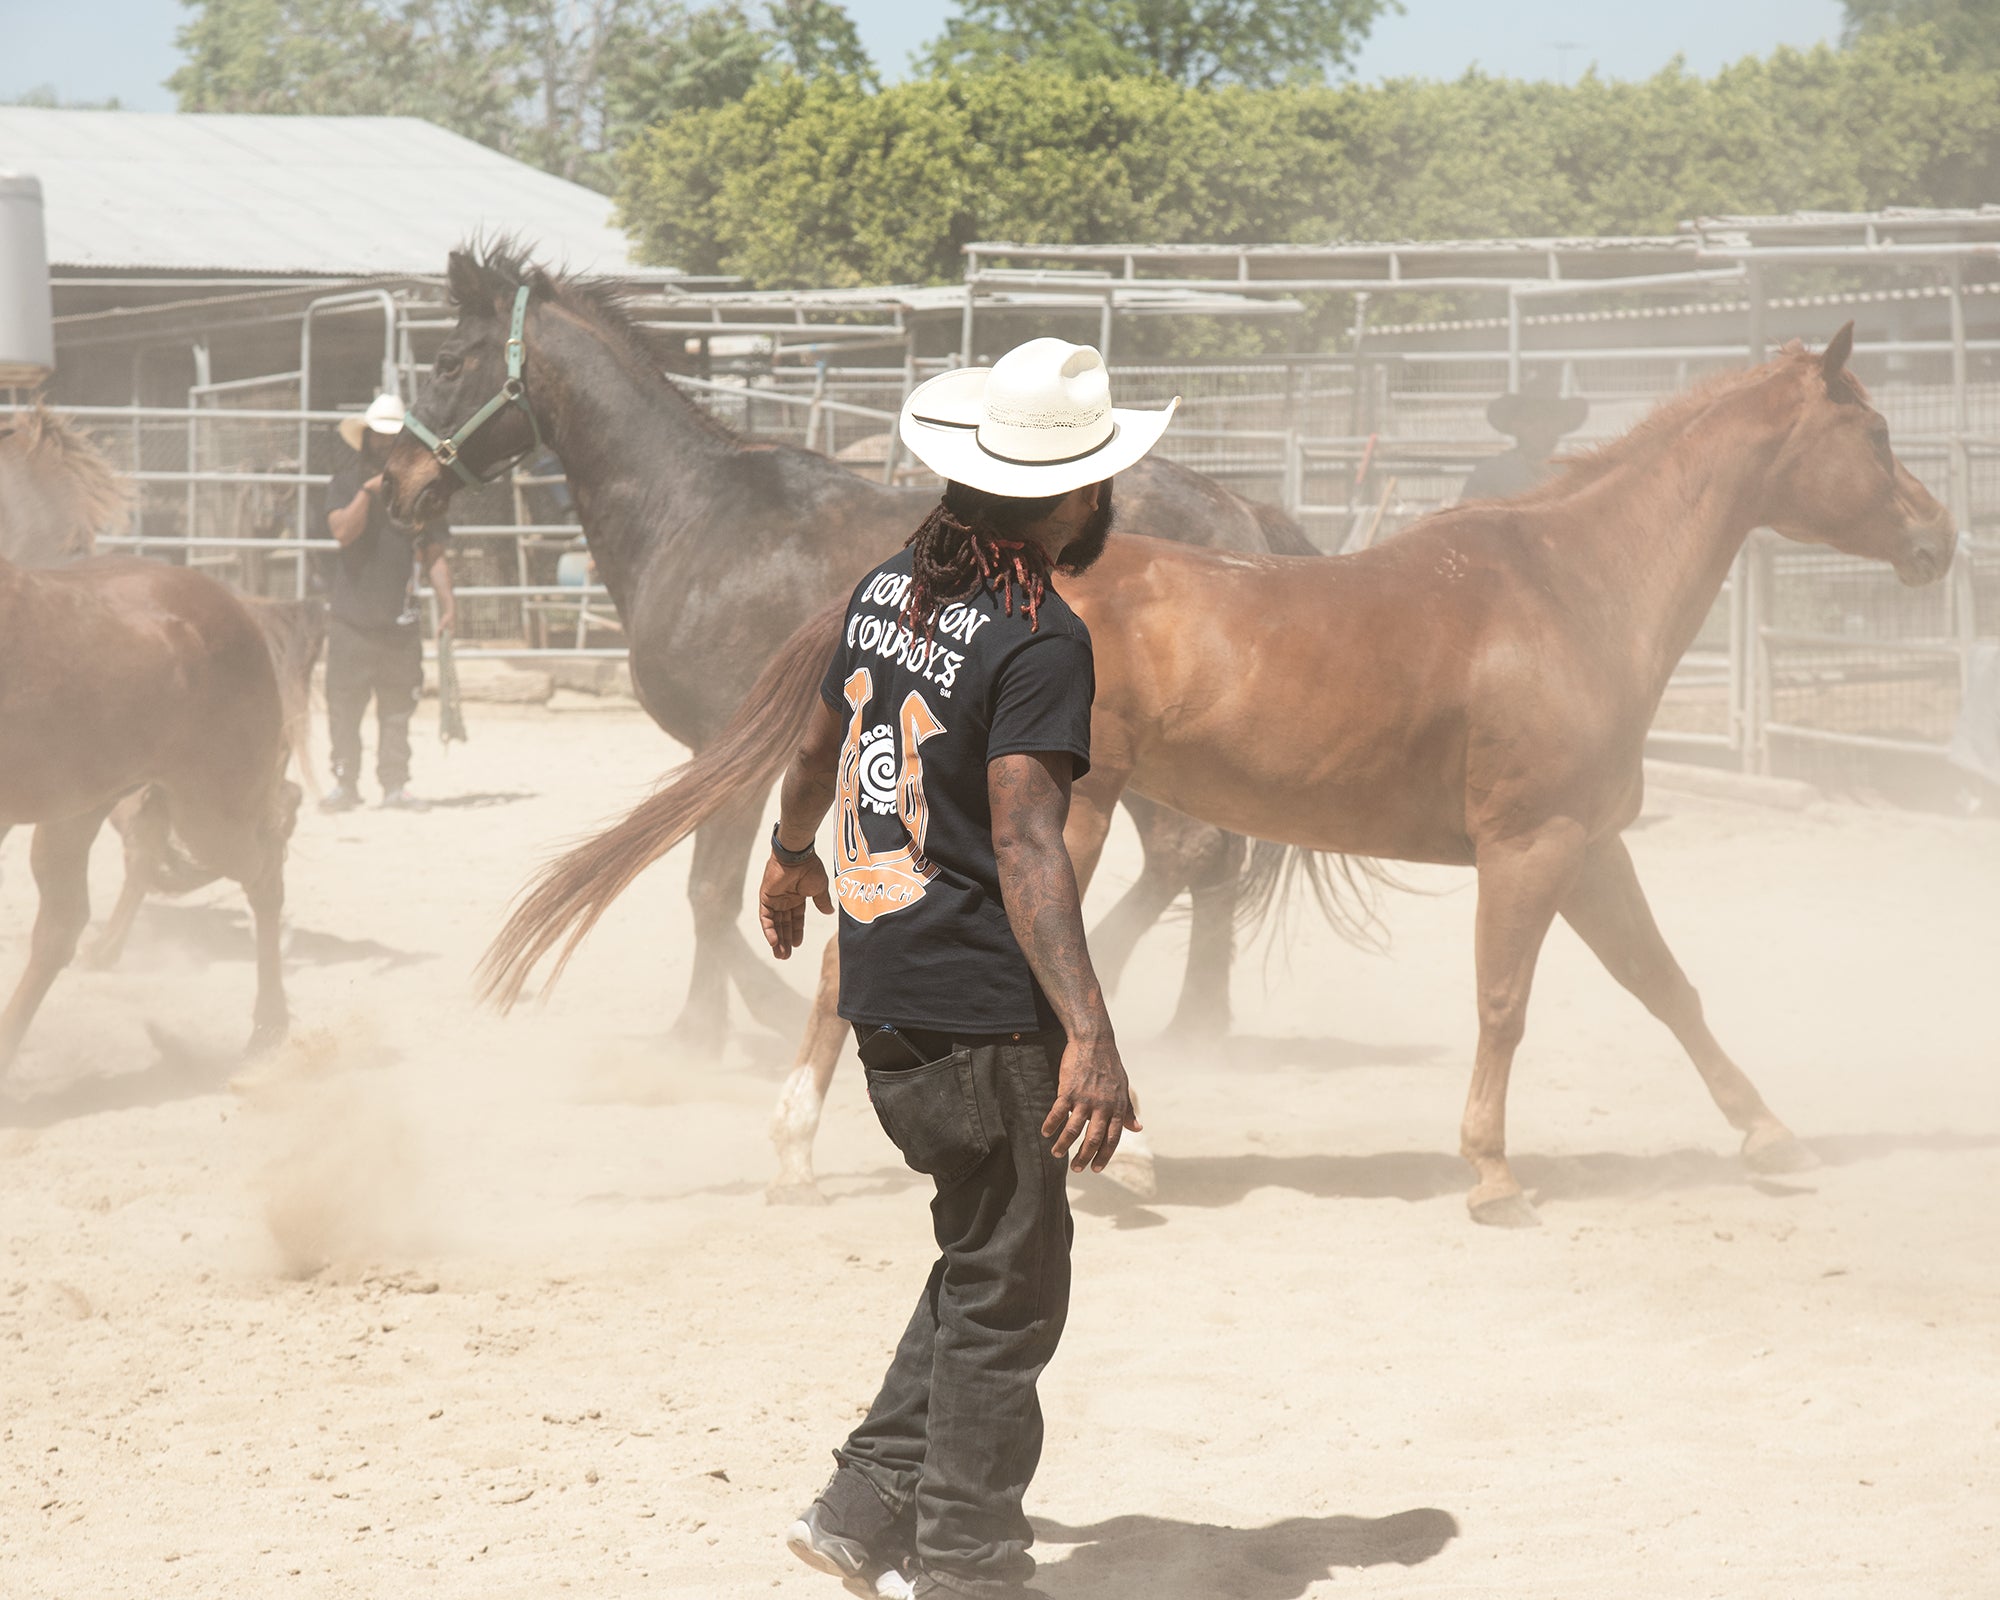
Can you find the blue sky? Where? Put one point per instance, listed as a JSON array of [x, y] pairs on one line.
[[93, 49]]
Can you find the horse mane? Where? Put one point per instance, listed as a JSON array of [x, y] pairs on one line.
[[50, 467], [502, 264], [1660, 427]]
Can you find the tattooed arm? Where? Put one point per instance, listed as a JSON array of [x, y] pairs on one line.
[[1030, 802], [806, 794]]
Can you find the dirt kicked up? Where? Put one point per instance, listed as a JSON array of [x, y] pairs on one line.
[[435, 1304]]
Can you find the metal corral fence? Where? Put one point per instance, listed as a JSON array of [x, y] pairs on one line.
[[235, 487], [1805, 650]]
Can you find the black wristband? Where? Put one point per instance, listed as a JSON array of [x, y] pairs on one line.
[[791, 858]]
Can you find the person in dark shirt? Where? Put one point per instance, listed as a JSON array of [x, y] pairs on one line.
[[374, 646], [1536, 418], [954, 717]]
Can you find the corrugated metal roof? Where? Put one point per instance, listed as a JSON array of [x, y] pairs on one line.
[[333, 196]]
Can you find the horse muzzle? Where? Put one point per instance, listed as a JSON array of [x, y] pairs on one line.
[[1928, 556], [417, 490]]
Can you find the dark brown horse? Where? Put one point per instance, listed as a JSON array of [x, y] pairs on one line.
[[715, 547], [116, 674], [1476, 691]]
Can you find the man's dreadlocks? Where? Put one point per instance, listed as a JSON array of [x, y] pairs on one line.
[[972, 539]]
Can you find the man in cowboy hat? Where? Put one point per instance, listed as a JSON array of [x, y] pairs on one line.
[[1536, 417], [954, 717], [374, 646]]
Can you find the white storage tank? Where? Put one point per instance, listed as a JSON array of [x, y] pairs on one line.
[[27, 317]]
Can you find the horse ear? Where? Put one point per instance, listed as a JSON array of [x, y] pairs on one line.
[[1833, 359], [462, 279]]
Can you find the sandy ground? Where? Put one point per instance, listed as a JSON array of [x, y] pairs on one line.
[[457, 1306]]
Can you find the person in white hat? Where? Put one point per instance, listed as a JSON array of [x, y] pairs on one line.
[[374, 645], [955, 715]]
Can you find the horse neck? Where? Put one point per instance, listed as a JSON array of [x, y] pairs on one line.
[[625, 437], [1650, 541]]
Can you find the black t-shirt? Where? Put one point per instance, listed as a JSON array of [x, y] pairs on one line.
[[924, 939], [375, 577]]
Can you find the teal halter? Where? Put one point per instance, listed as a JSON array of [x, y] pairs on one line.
[[511, 393]]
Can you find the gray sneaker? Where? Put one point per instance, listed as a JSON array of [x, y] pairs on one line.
[[400, 799], [860, 1570], [341, 797]]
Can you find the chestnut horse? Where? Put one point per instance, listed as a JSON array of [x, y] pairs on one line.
[[1476, 691], [116, 674], [295, 633], [57, 493]]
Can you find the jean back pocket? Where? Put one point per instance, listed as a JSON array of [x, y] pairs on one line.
[[931, 1113]]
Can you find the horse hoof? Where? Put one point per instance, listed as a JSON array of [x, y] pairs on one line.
[[1508, 1210], [1133, 1172], [98, 957], [794, 1194], [1773, 1152]]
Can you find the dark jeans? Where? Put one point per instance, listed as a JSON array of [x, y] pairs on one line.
[[957, 1427], [386, 664]]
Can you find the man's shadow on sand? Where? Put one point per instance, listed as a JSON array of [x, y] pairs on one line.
[[1158, 1558]]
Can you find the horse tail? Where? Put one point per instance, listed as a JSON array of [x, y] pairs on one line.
[[1346, 888], [295, 633], [567, 897]]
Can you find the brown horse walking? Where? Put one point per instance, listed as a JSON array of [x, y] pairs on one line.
[[295, 633], [57, 493], [116, 674], [1476, 691]]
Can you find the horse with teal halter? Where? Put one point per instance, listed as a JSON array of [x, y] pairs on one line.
[[513, 392]]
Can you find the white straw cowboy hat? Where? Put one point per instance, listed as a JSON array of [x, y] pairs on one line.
[[384, 415], [1039, 421]]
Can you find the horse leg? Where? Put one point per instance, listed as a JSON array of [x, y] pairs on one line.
[[265, 890], [141, 821], [1521, 883], [1091, 805], [1159, 883], [60, 860], [795, 1122], [722, 849], [1204, 1009], [1608, 910]]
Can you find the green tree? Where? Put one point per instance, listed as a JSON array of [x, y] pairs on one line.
[[464, 64], [1967, 31], [561, 83], [1197, 42], [44, 96], [816, 37], [820, 182], [701, 60]]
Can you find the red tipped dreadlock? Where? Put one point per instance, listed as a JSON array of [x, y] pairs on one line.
[[951, 556]]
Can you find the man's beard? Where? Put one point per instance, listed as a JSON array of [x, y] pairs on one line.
[[1081, 553]]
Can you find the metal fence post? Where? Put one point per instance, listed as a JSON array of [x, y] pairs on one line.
[[1964, 609], [1513, 342]]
